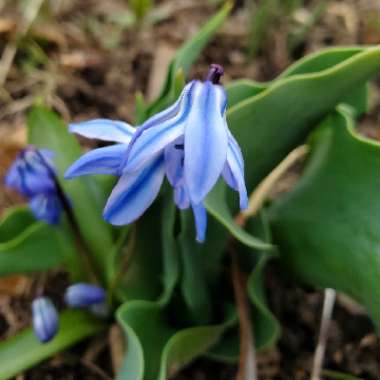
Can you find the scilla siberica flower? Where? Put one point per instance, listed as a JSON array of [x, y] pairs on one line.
[[189, 142], [84, 295], [45, 319], [32, 174]]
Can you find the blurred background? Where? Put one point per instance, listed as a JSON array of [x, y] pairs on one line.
[[89, 58]]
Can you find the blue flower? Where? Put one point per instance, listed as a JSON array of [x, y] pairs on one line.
[[189, 142], [84, 295], [33, 175], [45, 319]]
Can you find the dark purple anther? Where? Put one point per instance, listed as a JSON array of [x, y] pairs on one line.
[[215, 72]]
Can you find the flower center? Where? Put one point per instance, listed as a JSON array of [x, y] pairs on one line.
[[215, 73]]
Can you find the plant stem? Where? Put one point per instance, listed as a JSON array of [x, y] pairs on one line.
[[328, 305], [247, 369]]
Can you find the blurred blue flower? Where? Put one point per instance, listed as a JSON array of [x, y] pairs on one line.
[[33, 175], [45, 319], [84, 295], [189, 142]]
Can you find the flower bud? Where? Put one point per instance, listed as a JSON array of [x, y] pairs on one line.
[[45, 319], [84, 295]]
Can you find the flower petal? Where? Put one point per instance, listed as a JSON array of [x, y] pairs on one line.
[[181, 197], [134, 193], [233, 172], [104, 129], [46, 207], [105, 160], [200, 216], [174, 156], [45, 319], [83, 295], [151, 141], [205, 140]]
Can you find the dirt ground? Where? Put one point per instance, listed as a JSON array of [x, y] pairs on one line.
[[87, 62]]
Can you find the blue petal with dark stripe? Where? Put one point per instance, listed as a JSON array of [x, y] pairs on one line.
[[104, 129], [105, 160], [205, 140], [46, 207], [233, 173], [174, 157], [153, 140], [134, 193]]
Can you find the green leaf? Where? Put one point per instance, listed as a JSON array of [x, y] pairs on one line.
[[299, 101], [47, 130], [145, 322], [321, 60], [243, 89], [27, 245], [14, 221], [24, 350], [217, 206], [141, 278], [194, 287], [186, 56], [37, 248], [327, 227]]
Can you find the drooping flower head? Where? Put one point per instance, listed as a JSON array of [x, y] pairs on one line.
[[82, 295], [189, 142], [32, 174], [45, 319]]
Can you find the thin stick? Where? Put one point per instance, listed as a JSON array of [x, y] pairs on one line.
[[247, 359], [10, 50], [74, 225], [81, 243], [261, 192], [328, 306]]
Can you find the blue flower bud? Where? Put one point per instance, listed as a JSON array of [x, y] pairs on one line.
[[32, 174], [45, 319], [84, 295]]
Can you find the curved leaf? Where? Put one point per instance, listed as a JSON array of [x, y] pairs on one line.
[[327, 227], [14, 221], [274, 122], [24, 350]]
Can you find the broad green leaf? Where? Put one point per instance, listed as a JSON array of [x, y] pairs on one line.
[[186, 56], [194, 286], [216, 205], [36, 248], [327, 227], [321, 60], [156, 349], [24, 350], [271, 124], [300, 100], [47, 130], [14, 221], [141, 277], [27, 245], [170, 254], [243, 89]]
